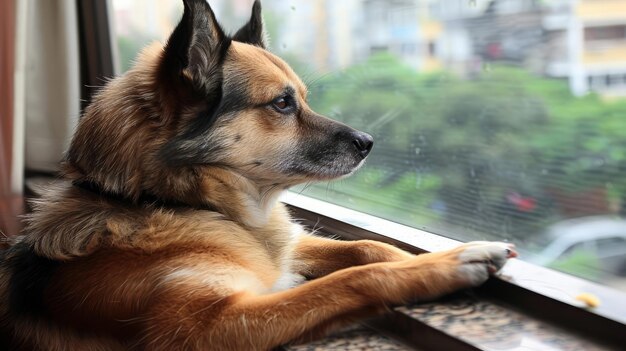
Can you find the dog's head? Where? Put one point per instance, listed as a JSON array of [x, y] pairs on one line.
[[205, 101]]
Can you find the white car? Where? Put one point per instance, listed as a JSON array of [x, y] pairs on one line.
[[604, 237]]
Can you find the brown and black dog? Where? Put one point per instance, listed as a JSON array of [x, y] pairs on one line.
[[170, 235]]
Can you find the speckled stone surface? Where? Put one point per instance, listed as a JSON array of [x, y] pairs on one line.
[[491, 326], [482, 323], [353, 339]]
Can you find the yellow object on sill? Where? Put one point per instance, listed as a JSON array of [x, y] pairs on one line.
[[590, 300]]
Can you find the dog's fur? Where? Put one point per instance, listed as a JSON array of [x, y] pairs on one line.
[[170, 236]]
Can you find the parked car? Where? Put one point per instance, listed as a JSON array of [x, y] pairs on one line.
[[601, 239]]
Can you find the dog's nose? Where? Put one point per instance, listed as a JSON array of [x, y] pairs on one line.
[[363, 143]]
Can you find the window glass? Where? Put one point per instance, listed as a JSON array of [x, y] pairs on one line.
[[492, 120], [611, 246], [573, 249]]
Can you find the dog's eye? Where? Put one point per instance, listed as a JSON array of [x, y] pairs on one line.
[[283, 103]]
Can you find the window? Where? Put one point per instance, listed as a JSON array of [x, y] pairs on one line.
[[476, 137], [615, 32]]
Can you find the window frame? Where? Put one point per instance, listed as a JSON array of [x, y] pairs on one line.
[[96, 47]]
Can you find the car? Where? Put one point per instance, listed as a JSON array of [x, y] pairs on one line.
[[602, 239]]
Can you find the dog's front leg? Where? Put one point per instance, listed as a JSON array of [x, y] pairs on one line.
[[246, 321], [317, 256]]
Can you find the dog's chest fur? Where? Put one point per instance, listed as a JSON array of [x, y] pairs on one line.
[[262, 256], [280, 237]]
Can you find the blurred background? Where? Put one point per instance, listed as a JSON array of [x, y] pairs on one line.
[[492, 119]]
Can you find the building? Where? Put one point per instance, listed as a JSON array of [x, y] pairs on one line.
[[602, 57], [332, 35], [583, 41]]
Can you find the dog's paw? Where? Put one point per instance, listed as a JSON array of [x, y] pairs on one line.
[[479, 259]]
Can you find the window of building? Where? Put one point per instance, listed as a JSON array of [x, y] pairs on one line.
[[612, 32]]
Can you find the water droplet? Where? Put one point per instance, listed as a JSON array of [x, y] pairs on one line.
[[599, 162]]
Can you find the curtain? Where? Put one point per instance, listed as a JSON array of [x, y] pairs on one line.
[[52, 105], [39, 94], [10, 197]]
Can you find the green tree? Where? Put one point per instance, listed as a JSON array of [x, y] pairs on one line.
[[468, 135], [484, 153]]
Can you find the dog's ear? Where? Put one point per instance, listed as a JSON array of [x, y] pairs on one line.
[[197, 47], [252, 32]]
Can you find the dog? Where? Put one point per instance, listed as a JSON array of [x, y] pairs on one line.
[[169, 234]]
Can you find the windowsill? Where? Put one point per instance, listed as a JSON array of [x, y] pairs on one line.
[[355, 337], [474, 322], [543, 292]]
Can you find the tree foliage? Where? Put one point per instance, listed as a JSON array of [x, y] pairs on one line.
[[494, 149]]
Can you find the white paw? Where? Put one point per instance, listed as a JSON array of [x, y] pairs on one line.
[[481, 258]]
